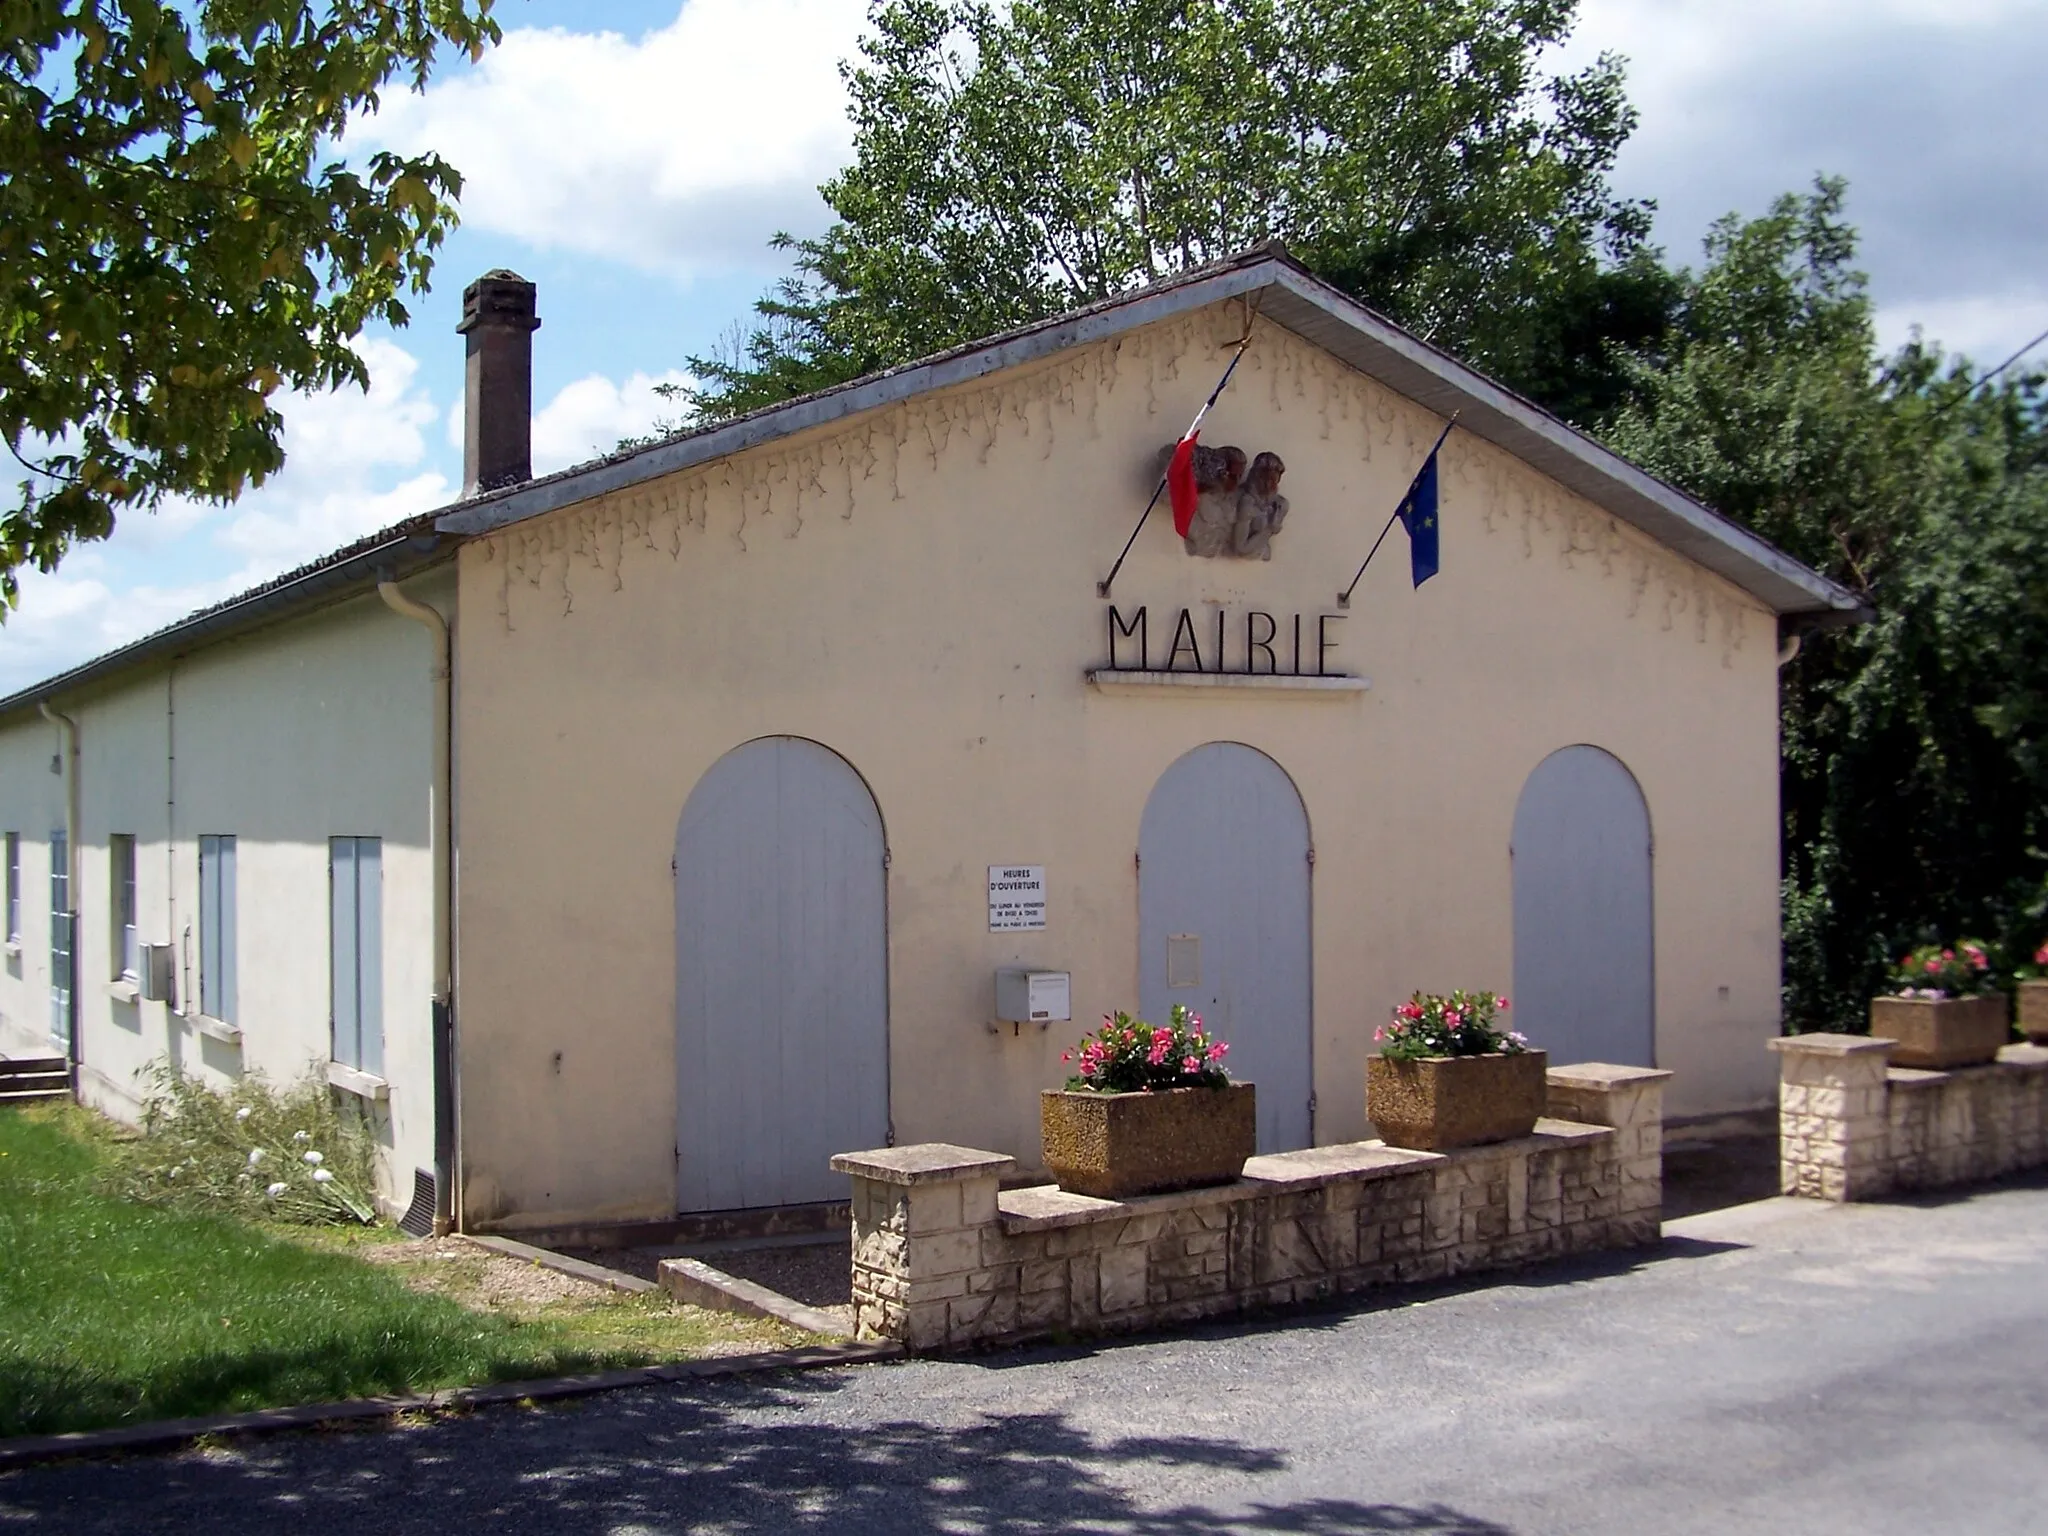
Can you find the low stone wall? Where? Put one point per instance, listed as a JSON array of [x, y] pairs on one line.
[[1853, 1127], [944, 1259]]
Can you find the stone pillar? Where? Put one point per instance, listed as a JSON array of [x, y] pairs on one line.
[[1630, 1099], [922, 1216], [1834, 1116]]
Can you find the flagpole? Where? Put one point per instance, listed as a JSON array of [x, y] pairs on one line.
[[1102, 587], [1344, 597]]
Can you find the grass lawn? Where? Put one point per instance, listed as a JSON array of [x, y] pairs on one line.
[[114, 1312]]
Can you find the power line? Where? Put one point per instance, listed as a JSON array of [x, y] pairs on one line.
[[1986, 377]]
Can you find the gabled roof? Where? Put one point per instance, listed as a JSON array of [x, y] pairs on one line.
[[1290, 296], [1286, 293]]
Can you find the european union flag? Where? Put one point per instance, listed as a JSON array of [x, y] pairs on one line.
[[1418, 516]]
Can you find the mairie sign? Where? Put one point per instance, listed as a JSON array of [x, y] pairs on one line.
[[1250, 642]]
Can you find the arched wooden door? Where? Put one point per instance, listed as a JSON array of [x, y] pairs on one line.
[[1223, 921], [782, 994], [1585, 987]]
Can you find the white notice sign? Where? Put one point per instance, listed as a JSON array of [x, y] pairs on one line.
[[1016, 897]]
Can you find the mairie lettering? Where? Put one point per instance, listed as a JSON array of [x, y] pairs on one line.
[[1253, 643]]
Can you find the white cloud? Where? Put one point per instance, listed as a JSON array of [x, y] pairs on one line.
[[1926, 106], [587, 419], [1988, 328], [356, 461], [342, 450], [683, 150]]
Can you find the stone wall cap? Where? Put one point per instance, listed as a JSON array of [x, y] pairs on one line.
[[1603, 1074], [2029, 1055], [924, 1162], [1043, 1207], [1818, 1044], [1915, 1077]]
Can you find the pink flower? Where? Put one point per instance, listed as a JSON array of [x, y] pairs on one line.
[[2041, 955], [1501, 1003], [1191, 1064], [1066, 1055], [1379, 1034], [1217, 1050], [1948, 954], [1931, 966], [1158, 1052]]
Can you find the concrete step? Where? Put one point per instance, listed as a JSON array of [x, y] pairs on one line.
[[33, 1079]]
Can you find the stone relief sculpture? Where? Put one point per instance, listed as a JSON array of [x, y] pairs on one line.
[[1238, 505], [1261, 509]]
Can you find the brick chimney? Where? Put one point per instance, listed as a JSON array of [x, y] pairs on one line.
[[497, 426]]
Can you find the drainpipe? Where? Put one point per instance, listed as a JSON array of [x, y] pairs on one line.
[[1788, 648], [69, 728], [444, 850]]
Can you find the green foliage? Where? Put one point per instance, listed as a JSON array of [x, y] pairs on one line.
[[1915, 780], [1460, 1024], [296, 1156], [1128, 1055], [177, 240], [1012, 162]]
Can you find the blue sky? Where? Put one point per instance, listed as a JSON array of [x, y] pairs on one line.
[[632, 157]]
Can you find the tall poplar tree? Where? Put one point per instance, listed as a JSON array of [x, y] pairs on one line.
[[1014, 161]]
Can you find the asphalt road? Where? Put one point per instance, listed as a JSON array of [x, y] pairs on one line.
[[1781, 1367]]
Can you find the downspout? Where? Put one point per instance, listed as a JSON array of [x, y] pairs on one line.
[[69, 727], [1788, 648], [444, 857]]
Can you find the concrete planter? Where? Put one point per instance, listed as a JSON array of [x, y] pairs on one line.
[[1938, 1033], [1438, 1102], [1116, 1145], [2034, 1011]]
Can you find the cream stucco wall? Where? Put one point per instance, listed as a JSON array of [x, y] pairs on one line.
[[283, 738], [916, 589]]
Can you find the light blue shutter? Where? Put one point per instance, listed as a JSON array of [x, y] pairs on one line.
[[370, 954], [341, 907], [217, 928], [225, 919]]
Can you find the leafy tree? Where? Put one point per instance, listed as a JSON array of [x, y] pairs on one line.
[[1015, 161], [177, 240], [1915, 780]]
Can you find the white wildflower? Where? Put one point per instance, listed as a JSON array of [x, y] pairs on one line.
[[243, 1113], [301, 1136], [315, 1159], [255, 1156], [276, 1189], [321, 1176]]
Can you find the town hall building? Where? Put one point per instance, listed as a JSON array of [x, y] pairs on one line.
[[630, 840]]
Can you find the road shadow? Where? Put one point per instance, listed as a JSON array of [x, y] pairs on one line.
[[1337, 1310], [1960, 1194], [1702, 1176], [742, 1459]]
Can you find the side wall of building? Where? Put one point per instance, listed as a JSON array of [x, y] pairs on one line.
[[916, 589], [282, 739]]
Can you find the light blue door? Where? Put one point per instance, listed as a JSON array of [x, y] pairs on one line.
[[782, 990], [1223, 921], [1584, 950]]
